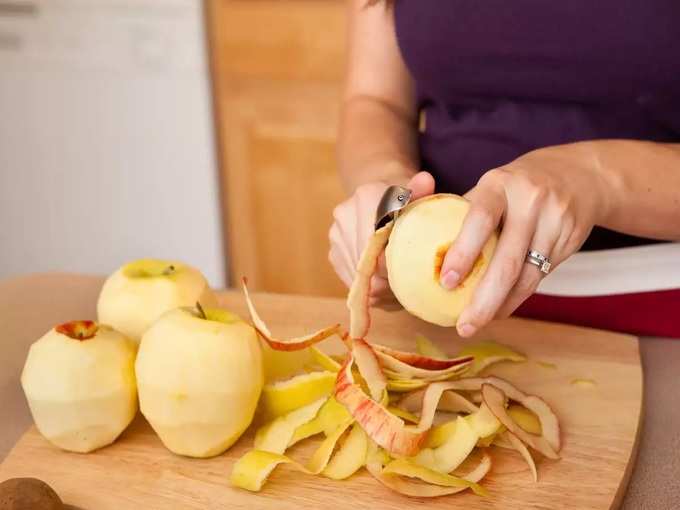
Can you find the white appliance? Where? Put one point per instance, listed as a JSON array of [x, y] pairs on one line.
[[107, 147]]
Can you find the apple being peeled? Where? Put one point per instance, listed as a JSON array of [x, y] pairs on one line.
[[79, 380], [139, 292], [419, 240], [200, 376]]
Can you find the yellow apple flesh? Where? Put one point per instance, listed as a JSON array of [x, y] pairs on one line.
[[79, 381], [421, 236], [138, 293], [199, 379]]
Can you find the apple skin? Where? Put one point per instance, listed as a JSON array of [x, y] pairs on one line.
[[138, 293], [199, 380], [82, 392], [422, 234]]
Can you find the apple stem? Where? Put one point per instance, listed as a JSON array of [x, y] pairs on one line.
[[200, 310], [169, 270]]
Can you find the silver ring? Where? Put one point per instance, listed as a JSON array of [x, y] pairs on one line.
[[539, 260]]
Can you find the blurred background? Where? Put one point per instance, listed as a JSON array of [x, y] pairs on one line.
[[199, 131]]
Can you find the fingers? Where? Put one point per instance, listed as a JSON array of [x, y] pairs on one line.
[[503, 272], [421, 185], [365, 206], [381, 295], [544, 241], [486, 210], [353, 226], [341, 267], [345, 225], [381, 269]]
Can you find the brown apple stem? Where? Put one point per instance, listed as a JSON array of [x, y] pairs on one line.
[[200, 310]]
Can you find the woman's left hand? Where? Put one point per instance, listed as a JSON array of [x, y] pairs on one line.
[[547, 200]]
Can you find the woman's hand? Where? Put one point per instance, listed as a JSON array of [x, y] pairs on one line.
[[548, 201], [353, 226]]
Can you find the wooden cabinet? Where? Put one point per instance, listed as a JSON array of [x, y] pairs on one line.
[[277, 67]]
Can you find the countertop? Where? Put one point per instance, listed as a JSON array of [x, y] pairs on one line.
[[31, 305]]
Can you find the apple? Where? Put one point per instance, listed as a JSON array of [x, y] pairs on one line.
[[420, 238], [79, 381], [138, 293], [200, 376]]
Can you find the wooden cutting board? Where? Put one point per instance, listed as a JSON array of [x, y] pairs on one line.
[[600, 425]]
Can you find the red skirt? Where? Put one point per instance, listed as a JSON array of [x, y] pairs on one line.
[[631, 290]]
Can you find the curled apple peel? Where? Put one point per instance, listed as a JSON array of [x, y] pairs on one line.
[[398, 483], [327, 419], [426, 347], [291, 344], [386, 429], [276, 436], [252, 470], [525, 419], [408, 468], [452, 452], [523, 451], [357, 299], [489, 353], [495, 399], [400, 449], [419, 361], [281, 397], [350, 457], [450, 401], [369, 367]]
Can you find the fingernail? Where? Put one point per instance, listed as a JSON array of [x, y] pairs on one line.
[[450, 280], [466, 330]]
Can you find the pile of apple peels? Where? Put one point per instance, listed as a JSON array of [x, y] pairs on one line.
[[420, 423]]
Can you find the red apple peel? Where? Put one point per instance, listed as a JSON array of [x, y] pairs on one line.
[[78, 330], [359, 292], [291, 344], [495, 399]]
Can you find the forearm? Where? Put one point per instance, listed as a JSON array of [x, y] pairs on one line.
[[376, 142], [643, 186]]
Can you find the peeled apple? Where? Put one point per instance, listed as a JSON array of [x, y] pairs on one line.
[[199, 378], [79, 381], [420, 238], [138, 293]]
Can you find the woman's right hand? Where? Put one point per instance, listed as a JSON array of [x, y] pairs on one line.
[[352, 227]]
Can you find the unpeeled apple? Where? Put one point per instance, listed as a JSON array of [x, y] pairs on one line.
[[79, 381], [422, 233], [138, 293], [199, 376]]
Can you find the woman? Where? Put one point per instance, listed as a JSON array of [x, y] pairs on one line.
[[559, 121]]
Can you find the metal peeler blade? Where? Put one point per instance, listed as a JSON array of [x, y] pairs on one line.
[[393, 200]]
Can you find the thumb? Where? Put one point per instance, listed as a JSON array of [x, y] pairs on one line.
[[421, 184]]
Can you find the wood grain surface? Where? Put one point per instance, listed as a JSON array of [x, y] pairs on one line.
[[600, 426], [277, 70]]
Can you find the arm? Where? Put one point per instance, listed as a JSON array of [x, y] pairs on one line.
[[377, 137], [549, 200], [644, 179]]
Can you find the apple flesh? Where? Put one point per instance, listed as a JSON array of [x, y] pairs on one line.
[[199, 376], [79, 381], [138, 293], [420, 238]]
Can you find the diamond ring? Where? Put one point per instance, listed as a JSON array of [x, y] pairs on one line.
[[539, 260]]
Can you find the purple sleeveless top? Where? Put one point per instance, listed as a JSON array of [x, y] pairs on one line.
[[499, 78]]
